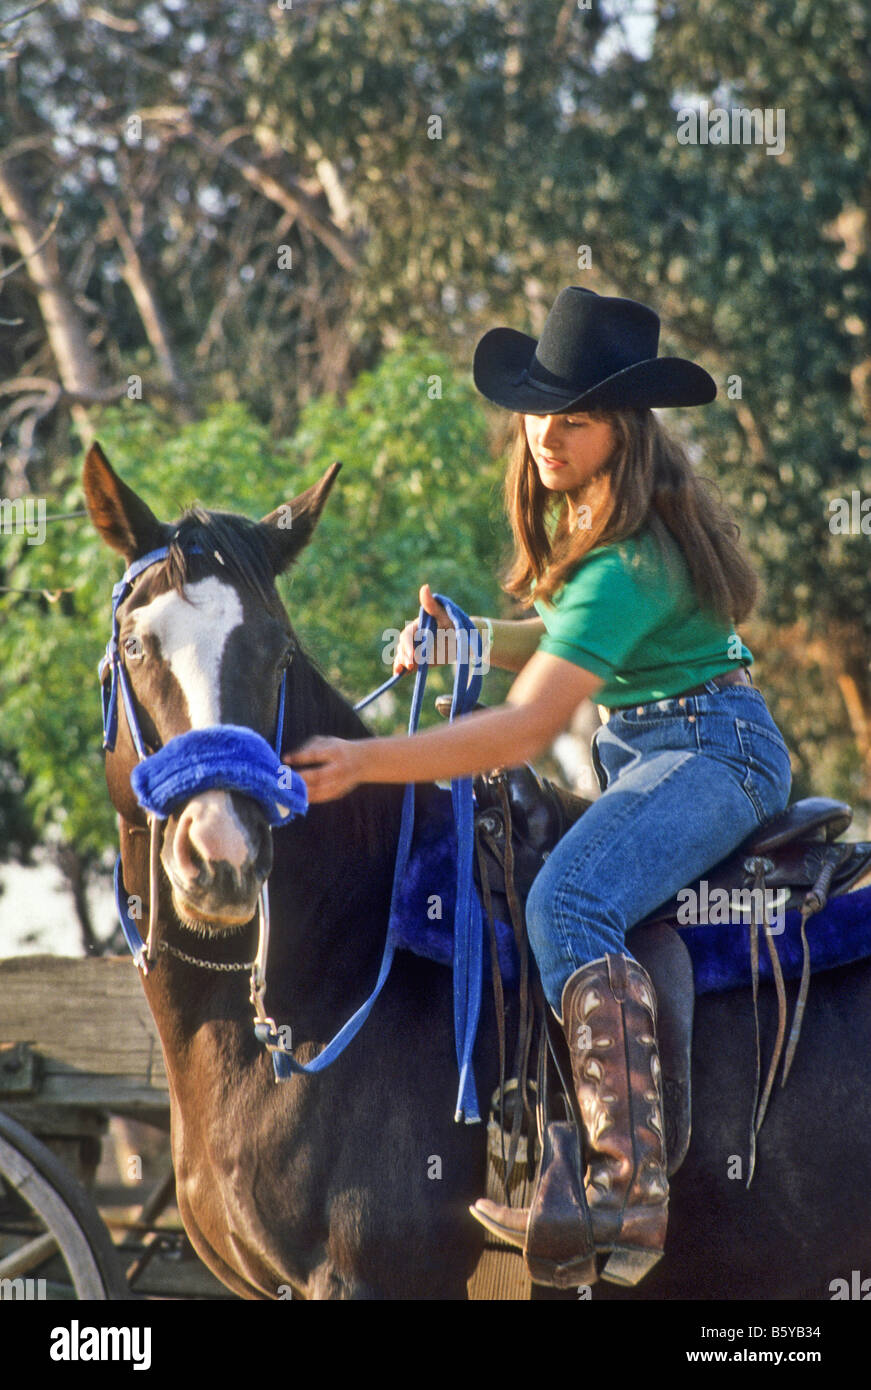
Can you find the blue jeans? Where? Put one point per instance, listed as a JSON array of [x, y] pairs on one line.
[[684, 782]]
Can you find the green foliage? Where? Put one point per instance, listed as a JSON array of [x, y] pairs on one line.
[[417, 501]]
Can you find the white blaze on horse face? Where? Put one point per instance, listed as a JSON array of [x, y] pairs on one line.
[[192, 633]]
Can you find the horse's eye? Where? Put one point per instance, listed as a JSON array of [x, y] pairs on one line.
[[133, 648]]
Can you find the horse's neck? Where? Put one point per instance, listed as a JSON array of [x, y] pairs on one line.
[[331, 881], [330, 892]]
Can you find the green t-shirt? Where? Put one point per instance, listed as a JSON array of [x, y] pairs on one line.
[[630, 615]]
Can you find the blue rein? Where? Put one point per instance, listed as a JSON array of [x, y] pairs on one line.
[[239, 759], [468, 921]]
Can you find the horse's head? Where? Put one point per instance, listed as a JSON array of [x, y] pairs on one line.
[[203, 640]]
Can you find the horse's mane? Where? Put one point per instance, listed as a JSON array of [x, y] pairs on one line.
[[206, 543]]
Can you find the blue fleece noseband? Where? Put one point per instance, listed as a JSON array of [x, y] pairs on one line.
[[223, 756]]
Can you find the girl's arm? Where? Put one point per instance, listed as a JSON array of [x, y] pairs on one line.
[[539, 705], [514, 641]]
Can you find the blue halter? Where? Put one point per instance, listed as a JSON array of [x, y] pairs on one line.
[[225, 755], [239, 759]]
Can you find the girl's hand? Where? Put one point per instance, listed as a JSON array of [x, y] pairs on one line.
[[405, 656], [330, 767]]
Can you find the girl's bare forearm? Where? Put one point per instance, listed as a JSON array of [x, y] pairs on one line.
[[499, 737], [514, 641]]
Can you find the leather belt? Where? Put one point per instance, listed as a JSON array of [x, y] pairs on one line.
[[739, 675]]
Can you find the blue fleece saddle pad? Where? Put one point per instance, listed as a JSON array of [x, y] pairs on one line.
[[424, 918]]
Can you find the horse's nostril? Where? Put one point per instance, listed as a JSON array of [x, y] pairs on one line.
[[219, 861], [191, 865]]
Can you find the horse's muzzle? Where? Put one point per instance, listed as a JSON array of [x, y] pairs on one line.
[[220, 790], [217, 853]]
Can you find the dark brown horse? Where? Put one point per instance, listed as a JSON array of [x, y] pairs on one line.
[[355, 1183]]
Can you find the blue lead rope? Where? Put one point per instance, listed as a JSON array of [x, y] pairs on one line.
[[468, 922]]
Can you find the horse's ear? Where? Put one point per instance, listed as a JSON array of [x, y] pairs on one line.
[[290, 526], [122, 518]]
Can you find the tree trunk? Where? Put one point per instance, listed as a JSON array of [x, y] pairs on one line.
[[150, 312], [77, 364], [75, 870], [854, 683]]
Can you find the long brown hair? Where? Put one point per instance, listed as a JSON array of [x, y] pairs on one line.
[[648, 480]]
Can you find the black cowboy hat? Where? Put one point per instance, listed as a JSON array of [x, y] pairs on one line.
[[594, 353]]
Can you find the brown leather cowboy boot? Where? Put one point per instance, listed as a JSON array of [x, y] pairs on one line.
[[609, 1015]]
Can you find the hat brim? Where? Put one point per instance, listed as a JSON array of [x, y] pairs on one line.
[[502, 355]]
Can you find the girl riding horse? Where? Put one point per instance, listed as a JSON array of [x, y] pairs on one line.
[[635, 570]]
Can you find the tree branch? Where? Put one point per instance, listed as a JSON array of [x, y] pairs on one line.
[[22, 14], [287, 194], [22, 260], [146, 301]]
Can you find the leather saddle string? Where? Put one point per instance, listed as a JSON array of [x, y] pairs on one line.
[[520, 1051], [754, 977], [814, 901], [518, 923], [781, 1000], [760, 1106], [542, 1101], [552, 1028], [498, 996], [804, 987], [525, 1026]]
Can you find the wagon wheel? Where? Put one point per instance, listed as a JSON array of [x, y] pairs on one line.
[[58, 1217]]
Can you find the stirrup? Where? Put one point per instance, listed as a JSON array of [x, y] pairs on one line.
[[627, 1265]]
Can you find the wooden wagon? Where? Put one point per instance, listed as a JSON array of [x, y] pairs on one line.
[[79, 1050]]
